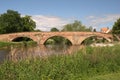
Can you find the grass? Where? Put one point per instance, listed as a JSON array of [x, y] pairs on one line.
[[7, 44], [3, 44], [112, 76], [98, 63]]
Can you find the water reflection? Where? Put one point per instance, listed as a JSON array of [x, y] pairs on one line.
[[3, 54], [19, 53]]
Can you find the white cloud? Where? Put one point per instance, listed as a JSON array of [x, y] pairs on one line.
[[90, 17], [97, 21], [45, 23]]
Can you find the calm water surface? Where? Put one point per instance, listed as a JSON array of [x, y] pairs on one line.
[[19, 53]]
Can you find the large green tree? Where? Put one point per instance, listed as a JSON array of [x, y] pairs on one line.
[[76, 26], [11, 22], [28, 23], [116, 27]]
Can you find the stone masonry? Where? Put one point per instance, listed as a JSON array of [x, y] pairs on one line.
[[76, 38]]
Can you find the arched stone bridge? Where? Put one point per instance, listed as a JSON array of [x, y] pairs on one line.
[[76, 38]]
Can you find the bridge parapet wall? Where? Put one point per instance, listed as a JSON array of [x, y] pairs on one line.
[[40, 37]]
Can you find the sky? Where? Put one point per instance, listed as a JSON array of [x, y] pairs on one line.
[[56, 13]]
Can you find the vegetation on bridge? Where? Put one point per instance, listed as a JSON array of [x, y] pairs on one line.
[[100, 63]]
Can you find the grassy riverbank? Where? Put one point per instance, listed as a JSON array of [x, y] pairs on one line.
[[98, 63], [7, 44]]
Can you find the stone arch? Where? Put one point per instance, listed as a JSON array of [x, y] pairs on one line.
[[13, 38], [66, 37], [84, 38]]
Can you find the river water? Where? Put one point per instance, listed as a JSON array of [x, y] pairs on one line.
[[16, 53]]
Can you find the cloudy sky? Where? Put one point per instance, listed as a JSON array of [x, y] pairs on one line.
[[56, 13]]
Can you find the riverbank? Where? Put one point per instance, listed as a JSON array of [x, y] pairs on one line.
[[89, 63], [7, 44]]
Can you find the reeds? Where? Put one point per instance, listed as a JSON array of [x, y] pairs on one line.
[[87, 63]]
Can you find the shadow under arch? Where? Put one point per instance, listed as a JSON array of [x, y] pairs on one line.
[[20, 39], [58, 40], [94, 39]]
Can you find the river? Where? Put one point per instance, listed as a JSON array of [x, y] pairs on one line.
[[16, 53]]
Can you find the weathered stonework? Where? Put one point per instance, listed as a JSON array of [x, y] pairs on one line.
[[76, 38]]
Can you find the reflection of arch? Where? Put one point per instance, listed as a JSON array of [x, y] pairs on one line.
[[109, 40], [58, 36], [18, 37]]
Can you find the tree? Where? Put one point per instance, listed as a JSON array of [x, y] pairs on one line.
[[37, 30], [11, 22], [54, 30], [28, 23], [57, 39], [116, 27], [76, 26], [94, 30]]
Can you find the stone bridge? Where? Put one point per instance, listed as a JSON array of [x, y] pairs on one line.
[[76, 38]]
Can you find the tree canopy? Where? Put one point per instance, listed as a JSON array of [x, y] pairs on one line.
[[116, 27], [11, 22], [54, 30], [76, 26]]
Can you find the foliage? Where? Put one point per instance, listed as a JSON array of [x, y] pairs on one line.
[[111, 76], [94, 39], [28, 24], [89, 40], [57, 40], [76, 26], [11, 22], [37, 30], [24, 43], [116, 27], [4, 44], [54, 30], [94, 30], [89, 63]]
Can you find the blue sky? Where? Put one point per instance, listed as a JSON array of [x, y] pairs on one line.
[[56, 13]]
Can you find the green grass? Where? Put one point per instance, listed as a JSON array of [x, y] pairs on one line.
[[112, 76], [3, 44], [7, 44], [98, 63]]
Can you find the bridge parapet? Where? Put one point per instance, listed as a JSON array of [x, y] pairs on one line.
[[76, 38]]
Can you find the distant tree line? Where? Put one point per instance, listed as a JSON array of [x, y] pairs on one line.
[[75, 26]]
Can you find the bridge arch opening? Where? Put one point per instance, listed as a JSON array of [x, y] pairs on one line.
[[20, 39], [57, 40], [94, 39]]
